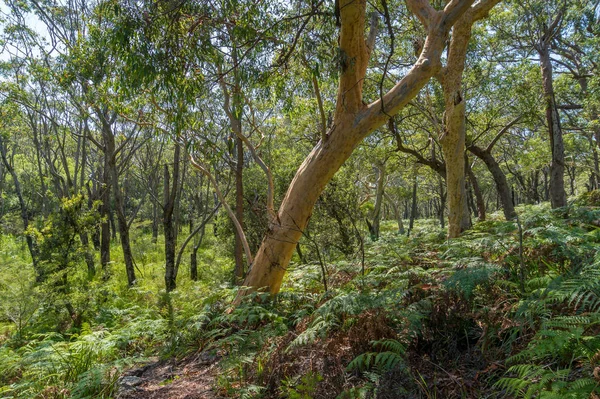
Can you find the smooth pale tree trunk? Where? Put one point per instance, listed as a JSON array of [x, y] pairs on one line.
[[398, 216], [397, 213], [558, 196], [353, 121], [453, 138], [233, 107]]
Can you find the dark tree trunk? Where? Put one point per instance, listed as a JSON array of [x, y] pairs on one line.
[[89, 256], [154, 222], [105, 226], [413, 212], [170, 195], [123, 226], [442, 199], [536, 187], [239, 208], [558, 197], [502, 186], [476, 191], [194, 256], [595, 177], [378, 202]]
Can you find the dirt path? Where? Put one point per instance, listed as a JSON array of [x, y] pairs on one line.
[[189, 378]]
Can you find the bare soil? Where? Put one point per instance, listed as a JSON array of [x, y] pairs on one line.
[[190, 378]]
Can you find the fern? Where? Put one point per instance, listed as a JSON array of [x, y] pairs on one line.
[[390, 354]]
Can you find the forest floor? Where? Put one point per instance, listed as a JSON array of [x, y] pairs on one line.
[[190, 378], [479, 317]]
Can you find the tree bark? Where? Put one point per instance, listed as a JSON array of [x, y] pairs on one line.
[[239, 206], [442, 208], [397, 213], [502, 186], [558, 196], [170, 198], [413, 208], [123, 226], [453, 138], [477, 191], [381, 175], [353, 121], [105, 226]]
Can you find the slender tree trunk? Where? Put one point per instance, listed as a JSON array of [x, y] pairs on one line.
[[397, 208], [123, 226], [442, 208], [378, 200], [33, 250], [105, 226], [558, 196], [536, 187], [595, 179], [239, 206], [170, 195], [154, 222], [477, 191], [89, 256], [194, 263], [413, 208]]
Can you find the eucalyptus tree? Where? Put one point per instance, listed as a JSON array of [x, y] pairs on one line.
[[353, 120], [576, 48], [533, 25], [453, 138], [13, 124]]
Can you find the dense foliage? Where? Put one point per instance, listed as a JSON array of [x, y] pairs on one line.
[[302, 199]]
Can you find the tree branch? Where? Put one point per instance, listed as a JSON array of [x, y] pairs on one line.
[[236, 223], [423, 10], [501, 132]]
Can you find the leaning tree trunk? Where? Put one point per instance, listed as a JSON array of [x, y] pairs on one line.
[[558, 196], [353, 121], [33, 250], [502, 187]]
